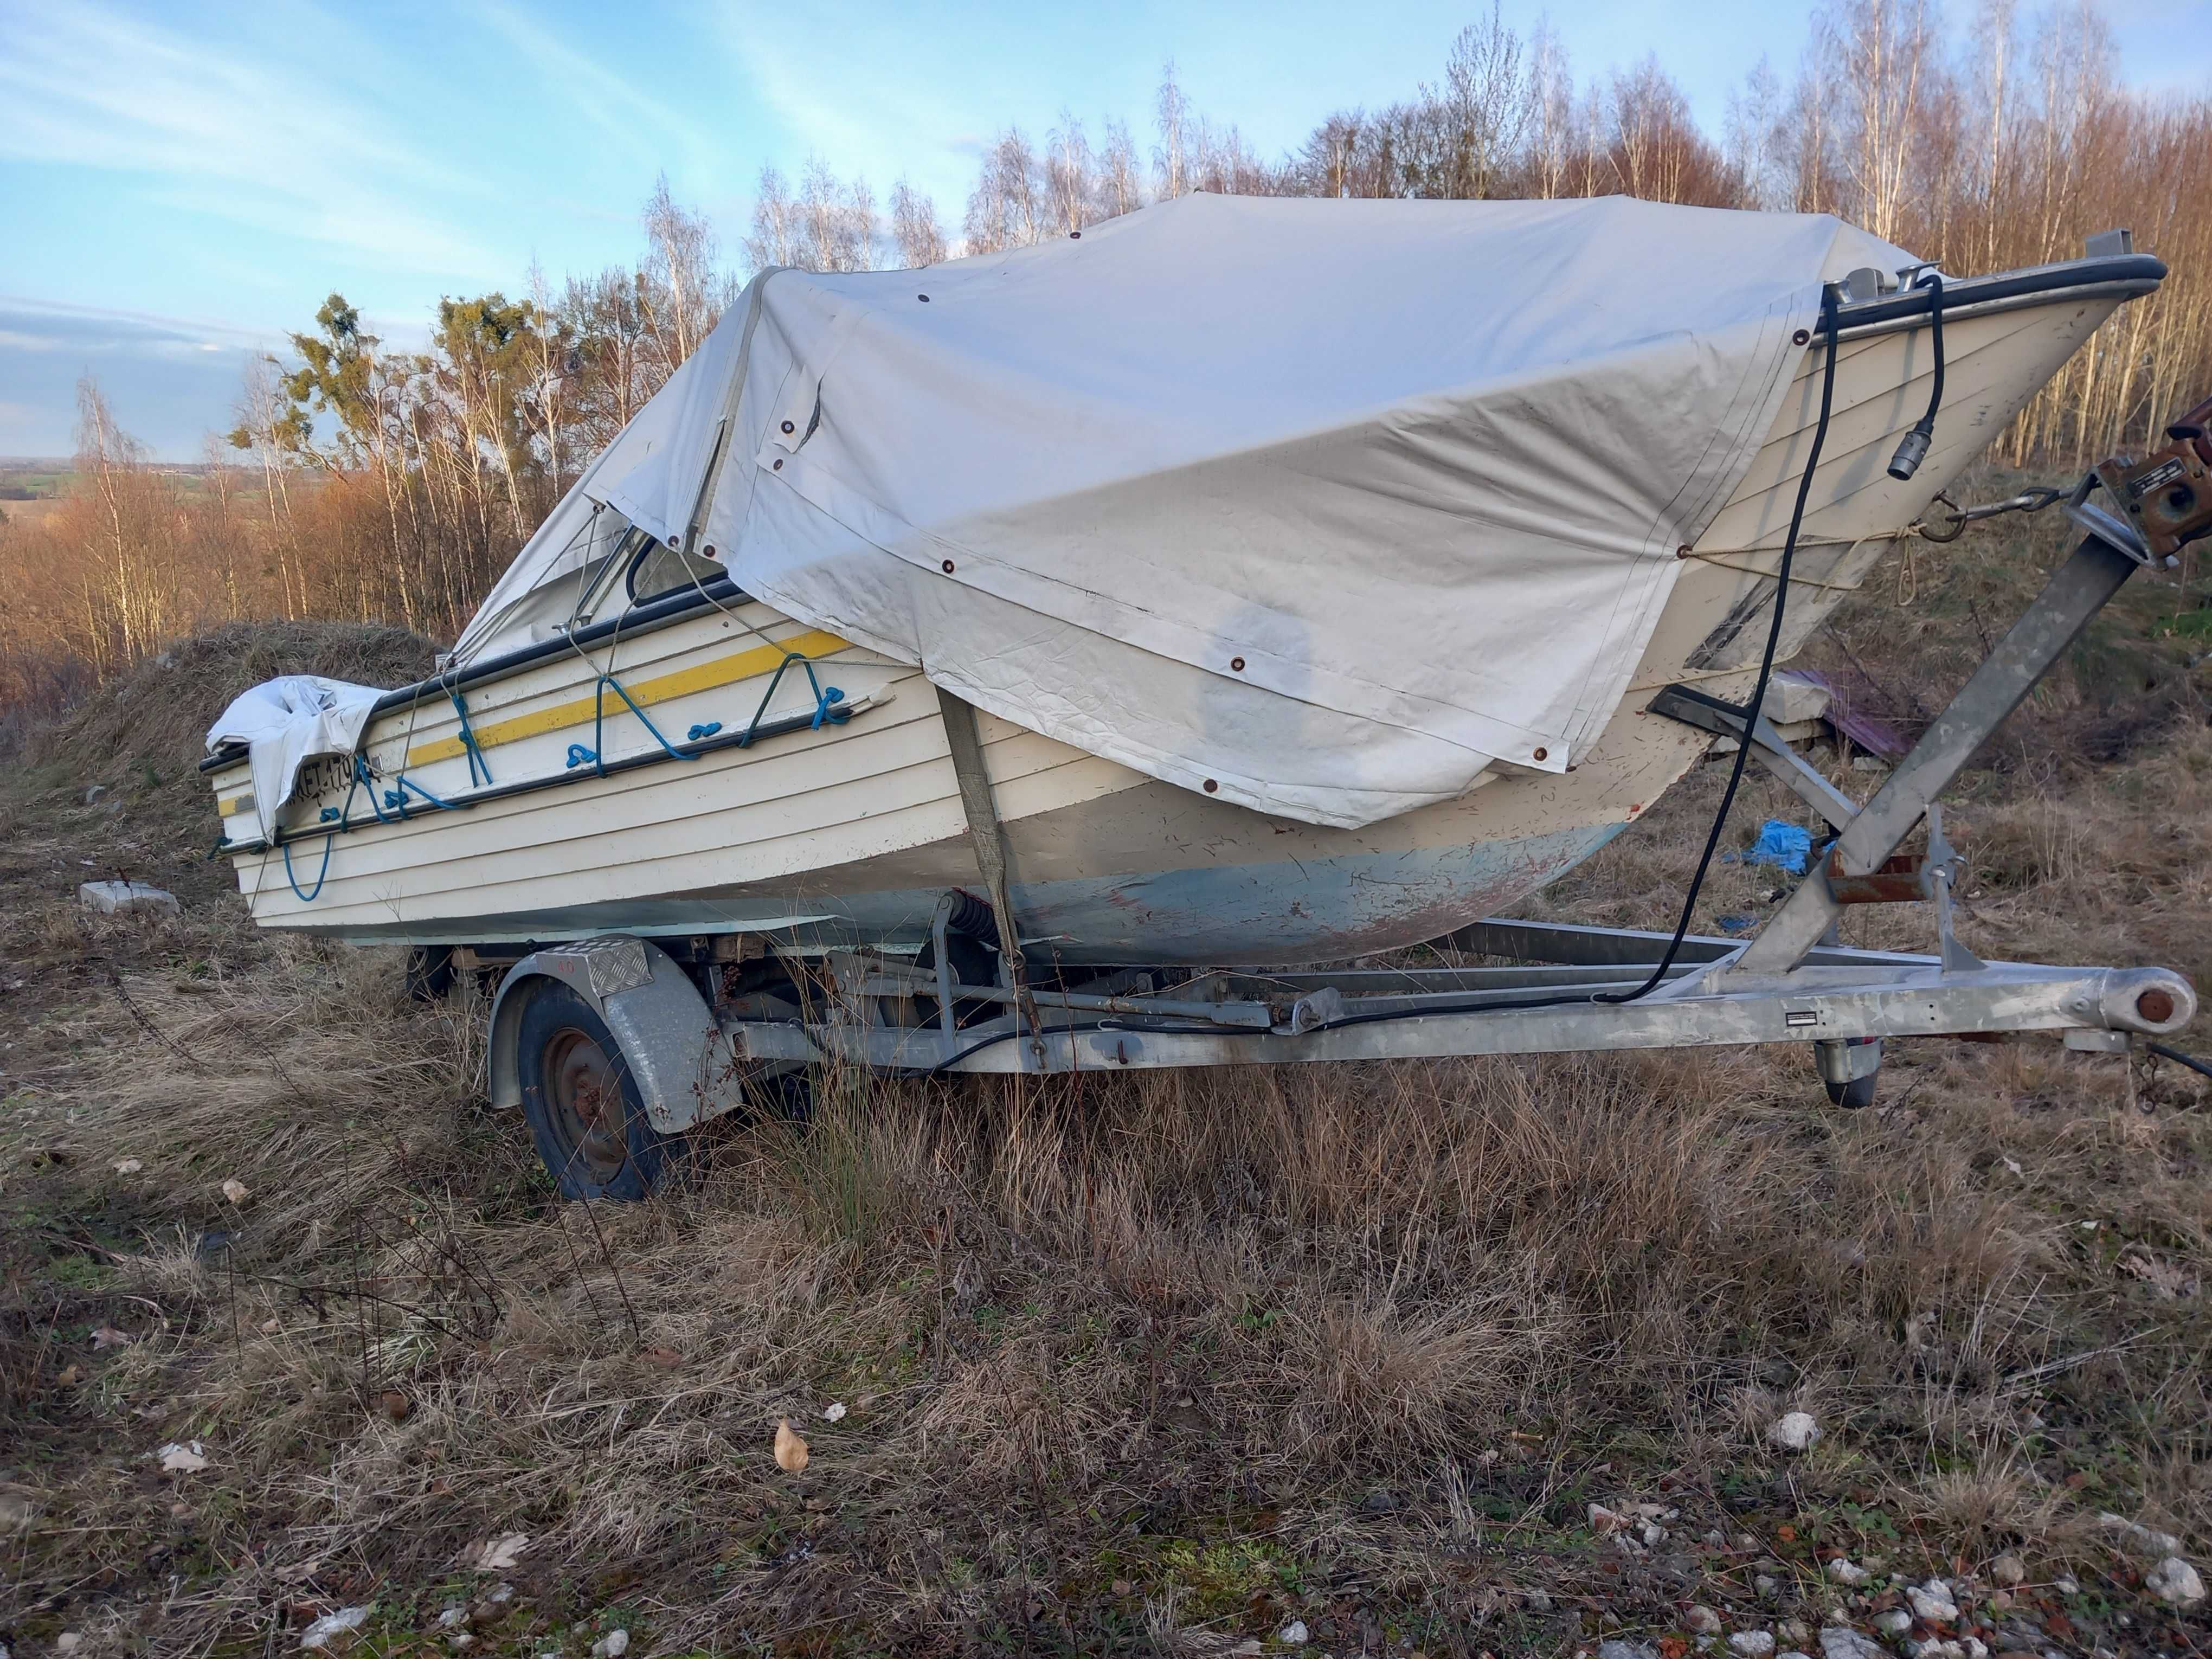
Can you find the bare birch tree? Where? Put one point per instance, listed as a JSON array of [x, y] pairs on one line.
[[915, 230]]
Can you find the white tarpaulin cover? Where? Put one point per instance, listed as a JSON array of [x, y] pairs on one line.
[[1320, 507], [287, 721]]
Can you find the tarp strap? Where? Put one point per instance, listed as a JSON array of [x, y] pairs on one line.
[[477, 764], [593, 756], [989, 837], [828, 699]]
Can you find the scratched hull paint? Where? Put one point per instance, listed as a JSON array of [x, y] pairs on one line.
[[848, 832]]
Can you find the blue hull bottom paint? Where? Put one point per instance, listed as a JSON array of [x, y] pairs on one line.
[[1274, 914]]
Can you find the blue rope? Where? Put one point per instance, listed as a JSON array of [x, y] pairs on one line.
[[578, 754], [321, 875], [477, 762], [399, 797], [396, 799], [826, 699], [329, 815]]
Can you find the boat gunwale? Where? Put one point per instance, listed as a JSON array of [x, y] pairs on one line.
[[2129, 275]]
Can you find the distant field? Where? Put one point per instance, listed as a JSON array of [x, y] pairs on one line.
[[30, 486]]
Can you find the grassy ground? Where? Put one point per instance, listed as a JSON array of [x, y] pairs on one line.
[[1170, 1364]]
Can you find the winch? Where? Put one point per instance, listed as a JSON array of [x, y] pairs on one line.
[[2167, 493]]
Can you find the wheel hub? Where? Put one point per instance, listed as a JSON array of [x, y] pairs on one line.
[[585, 1098]]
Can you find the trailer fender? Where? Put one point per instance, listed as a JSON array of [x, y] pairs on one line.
[[682, 1062]]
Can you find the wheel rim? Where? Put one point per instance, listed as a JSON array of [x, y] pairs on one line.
[[585, 1097]]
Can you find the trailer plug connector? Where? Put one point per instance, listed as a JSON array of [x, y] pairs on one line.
[[1913, 448]]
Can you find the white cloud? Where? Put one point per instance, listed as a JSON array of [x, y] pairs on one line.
[[271, 136]]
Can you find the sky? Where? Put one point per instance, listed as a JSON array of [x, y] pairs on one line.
[[181, 183]]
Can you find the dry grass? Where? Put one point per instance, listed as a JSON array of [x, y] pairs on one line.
[[1126, 1362]]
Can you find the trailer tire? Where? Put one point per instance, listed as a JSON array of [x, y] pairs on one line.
[[586, 1116], [429, 973]]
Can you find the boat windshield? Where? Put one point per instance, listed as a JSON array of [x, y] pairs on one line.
[[658, 568]]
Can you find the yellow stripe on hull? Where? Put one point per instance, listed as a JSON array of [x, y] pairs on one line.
[[704, 676]]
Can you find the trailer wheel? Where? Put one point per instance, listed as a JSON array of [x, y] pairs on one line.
[[429, 973], [585, 1113]]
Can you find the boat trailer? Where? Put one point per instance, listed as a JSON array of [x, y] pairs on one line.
[[704, 1035]]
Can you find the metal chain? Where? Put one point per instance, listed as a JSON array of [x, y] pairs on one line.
[[2028, 501]]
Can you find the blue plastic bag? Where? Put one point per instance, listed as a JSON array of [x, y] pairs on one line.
[[1783, 845]]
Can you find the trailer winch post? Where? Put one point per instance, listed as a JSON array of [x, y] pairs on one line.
[[2076, 592]]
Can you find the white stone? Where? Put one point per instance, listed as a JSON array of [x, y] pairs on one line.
[[1895, 1622], [1932, 1601], [1615, 1647], [2066, 1584], [1764, 1584], [1296, 1634], [1794, 1431], [331, 1626], [452, 1616], [69, 1642], [2009, 1570], [2174, 1581], [117, 897], [2142, 1539], [1652, 1534], [1841, 1642], [1844, 1572], [1702, 1620], [1753, 1643], [613, 1645]]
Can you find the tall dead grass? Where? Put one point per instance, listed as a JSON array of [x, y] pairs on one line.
[[1460, 1284]]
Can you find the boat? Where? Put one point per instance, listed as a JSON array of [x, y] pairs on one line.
[[633, 740]]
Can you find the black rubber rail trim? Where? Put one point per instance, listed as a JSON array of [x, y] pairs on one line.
[[2006, 285]]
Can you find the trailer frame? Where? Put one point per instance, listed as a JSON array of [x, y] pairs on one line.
[[702, 1038]]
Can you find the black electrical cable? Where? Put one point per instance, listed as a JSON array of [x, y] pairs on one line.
[[2181, 1059], [1757, 703], [1912, 447], [1829, 328]]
